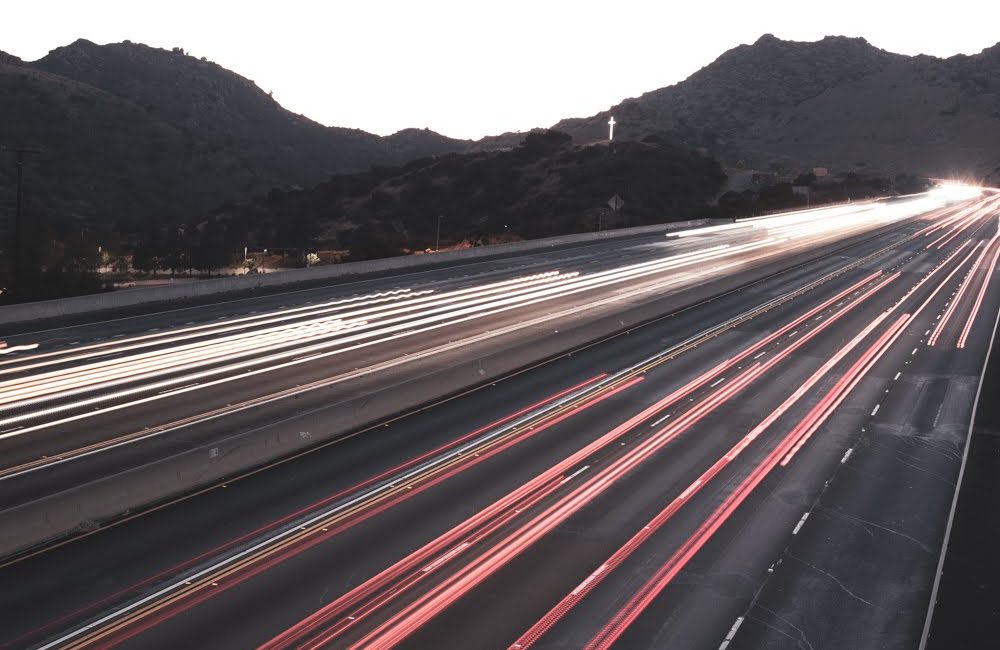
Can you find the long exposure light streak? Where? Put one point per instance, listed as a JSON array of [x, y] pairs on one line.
[[319, 527], [401, 327], [665, 574], [963, 337], [380, 612], [656, 441]]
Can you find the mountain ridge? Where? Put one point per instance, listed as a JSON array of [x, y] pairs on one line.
[[131, 132], [225, 109], [749, 106]]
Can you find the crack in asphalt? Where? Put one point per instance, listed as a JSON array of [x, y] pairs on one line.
[[834, 579]]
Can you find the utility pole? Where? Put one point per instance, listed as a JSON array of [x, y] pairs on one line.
[[437, 237], [16, 257]]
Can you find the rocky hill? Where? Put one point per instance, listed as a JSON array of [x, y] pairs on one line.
[[9, 58], [137, 132], [838, 102], [103, 158], [410, 144]]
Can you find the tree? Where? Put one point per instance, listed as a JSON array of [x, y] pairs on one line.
[[540, 143], [120, 264], [374, 241], [176, 256], [211, 252], [147, 257], [805, 180]]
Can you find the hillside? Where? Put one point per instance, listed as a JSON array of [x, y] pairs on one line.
[[9, 58], [136, 132], [544, 186], [227, 111], [838, 102], [105, 158]]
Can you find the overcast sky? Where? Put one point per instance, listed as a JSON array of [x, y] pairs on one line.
[[468, 68]]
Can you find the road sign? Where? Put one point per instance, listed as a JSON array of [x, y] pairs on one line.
[[616, 202]]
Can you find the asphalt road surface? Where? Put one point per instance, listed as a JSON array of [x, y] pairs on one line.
[[771, 469], [96, 398]]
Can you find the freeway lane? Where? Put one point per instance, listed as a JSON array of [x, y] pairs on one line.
[[106, 402], [688, 614], [867, 560], [396, 441], [23, 446], [486, 613]]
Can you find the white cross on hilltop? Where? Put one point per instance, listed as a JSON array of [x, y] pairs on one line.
[[611, 128]]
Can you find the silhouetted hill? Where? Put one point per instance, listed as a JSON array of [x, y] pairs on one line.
[[507, 140], [410, 144], [137, 132], [229, 112], [104, 158], [838, 102]]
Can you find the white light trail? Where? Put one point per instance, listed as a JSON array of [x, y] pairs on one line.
[[125, 369]]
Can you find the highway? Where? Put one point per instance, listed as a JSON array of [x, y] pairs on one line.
[[769, 468], [95, 398]]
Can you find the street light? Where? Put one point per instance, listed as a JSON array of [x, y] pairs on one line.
[[437, 237]]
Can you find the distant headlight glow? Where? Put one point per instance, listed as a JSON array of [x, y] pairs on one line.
[[956, 192]]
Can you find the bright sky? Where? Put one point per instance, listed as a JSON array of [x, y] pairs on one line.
[[470, 68]]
